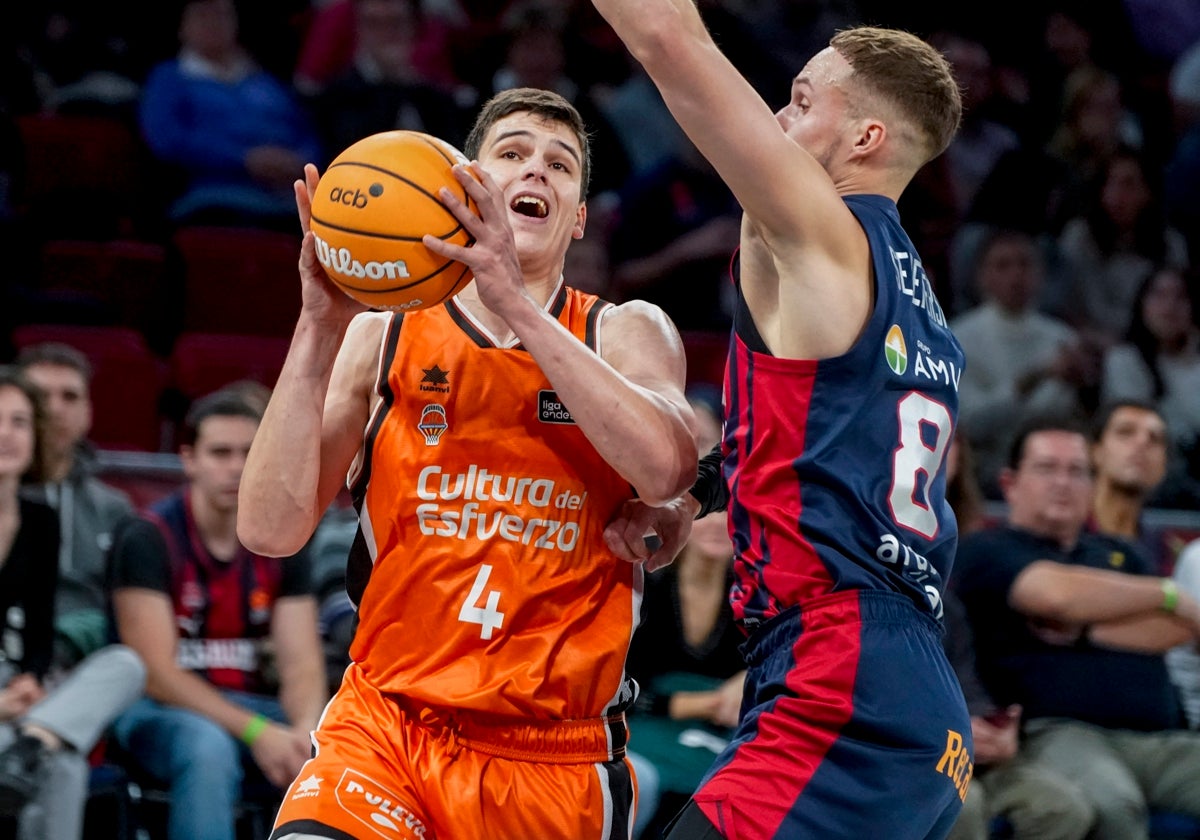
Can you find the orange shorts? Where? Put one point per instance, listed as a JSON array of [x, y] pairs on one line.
[[389, 768]]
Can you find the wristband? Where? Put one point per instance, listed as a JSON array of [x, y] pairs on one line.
[[1170, 590], [255, 728]]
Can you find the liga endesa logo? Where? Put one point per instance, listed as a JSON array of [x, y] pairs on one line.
[[342, 261], [377, 808]]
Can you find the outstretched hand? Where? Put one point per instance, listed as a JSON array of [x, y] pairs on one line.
[[671, 525]]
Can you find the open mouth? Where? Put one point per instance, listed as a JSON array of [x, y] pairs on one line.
[[529, 205]]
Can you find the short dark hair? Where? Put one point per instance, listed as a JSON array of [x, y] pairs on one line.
[[58, 354], [1104, 414], [1051, 423], [545, 104], [225, 402]]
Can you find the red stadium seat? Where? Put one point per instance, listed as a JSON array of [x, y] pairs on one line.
[[122, 278], [127, 383], [239, 280], [203, 362], [83, 175]]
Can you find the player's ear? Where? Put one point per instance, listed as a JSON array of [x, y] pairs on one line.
[[580, 222], [871, 134]]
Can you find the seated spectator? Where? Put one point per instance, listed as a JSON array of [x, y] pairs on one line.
[[1183, 661], [1159, 363], [237, 136], [1021, 362], [88, 509], [534, 44], [332, 43], [382, 89], [48, 725], [1115, 242], [1035, 801], [201, 611], [685, 657], [1073, 626], [963, 493], [1129, 455]]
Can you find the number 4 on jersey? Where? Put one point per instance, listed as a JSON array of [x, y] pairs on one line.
[[487, 617]]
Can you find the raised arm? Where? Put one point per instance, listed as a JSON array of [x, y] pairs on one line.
[[809, 289], [778, 184], [314, 422]]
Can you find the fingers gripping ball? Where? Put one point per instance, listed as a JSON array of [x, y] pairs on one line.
[[371, 208]]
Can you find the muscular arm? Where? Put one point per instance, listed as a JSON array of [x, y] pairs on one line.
[[628, 401], [314, 423], [309, 434], [812, 295]]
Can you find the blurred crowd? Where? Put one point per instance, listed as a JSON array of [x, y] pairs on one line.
[[1061, 230]]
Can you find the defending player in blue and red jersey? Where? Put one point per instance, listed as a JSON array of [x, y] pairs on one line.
[[841, 399]]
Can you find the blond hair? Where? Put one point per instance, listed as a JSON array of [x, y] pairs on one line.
[[909, 75]]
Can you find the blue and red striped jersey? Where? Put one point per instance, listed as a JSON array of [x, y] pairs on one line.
[[836, 467]]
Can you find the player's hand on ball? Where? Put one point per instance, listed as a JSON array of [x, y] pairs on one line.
[[493, 258], [320, 297]]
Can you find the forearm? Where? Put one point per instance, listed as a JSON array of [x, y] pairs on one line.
[[1079, 595], [1150, 634], [643, 435], [186, 690], [279, 502], [303, 695]]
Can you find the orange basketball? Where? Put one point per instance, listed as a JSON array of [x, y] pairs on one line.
[[372, 206]]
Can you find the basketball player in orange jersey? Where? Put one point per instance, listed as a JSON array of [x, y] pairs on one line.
[[486, 442]]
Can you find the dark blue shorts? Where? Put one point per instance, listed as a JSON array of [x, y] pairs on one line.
[[853, 726]]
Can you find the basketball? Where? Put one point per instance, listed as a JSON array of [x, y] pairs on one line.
[[371, 208]]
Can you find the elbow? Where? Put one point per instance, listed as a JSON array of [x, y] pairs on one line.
[[669, 477], [659, 31], [258, 537]]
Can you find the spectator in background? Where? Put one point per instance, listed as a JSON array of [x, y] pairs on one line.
[[1183, 661], [332, 43], [1159, 363], [1093, 124], [1073, 627], [47, 725], [1129, 455], [1034, 801], [88, 509], [201, 611], [236, 136], [963, 493], [534, 43], [676, 233], [383, 89], [944, 191], [1182, 170], [1022, 362], [1116, 242]]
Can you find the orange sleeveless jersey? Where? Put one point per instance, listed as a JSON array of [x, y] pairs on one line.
[[480, 571]]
